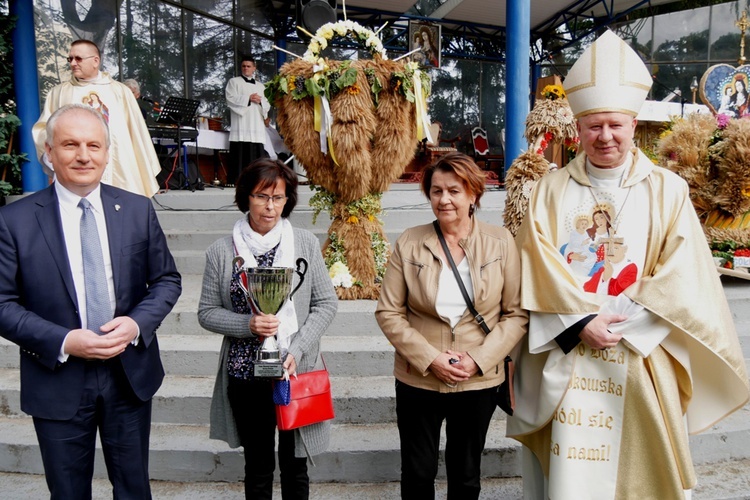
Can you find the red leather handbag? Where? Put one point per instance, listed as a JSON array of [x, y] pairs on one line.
[[310, 401]]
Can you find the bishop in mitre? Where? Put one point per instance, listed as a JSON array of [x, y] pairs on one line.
[[631, 345]]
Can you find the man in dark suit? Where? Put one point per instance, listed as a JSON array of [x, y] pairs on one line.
[[85, 280]]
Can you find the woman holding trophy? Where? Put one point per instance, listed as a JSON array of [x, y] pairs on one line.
[[449, 361], [257, 343]]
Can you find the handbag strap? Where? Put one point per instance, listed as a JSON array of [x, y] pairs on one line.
[[478, 317], [325, 367]]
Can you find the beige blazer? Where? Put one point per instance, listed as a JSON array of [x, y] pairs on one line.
[[406, 309]]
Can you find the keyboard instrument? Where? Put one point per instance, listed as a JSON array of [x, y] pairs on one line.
[[187, 134]]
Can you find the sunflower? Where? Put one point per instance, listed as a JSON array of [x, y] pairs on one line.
[[553, 92]]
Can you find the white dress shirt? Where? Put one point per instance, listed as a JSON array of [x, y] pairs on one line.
[[70, 215]]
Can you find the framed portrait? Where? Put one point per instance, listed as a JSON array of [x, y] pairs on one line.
[[426, 38], [726, 90]]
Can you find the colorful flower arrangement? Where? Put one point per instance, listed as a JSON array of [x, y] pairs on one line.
[[367, 209], [546, 139], [403, 81], [711, 153], [550, 121], [572, 145], [335, 258], [340, 275], [353, 124], [325, 33], [325, 82], [381, 249], [338, 269], [722, 121], [727, 253], [329, 82], [553, 92], [731, 254]]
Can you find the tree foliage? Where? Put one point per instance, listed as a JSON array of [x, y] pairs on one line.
[[170, 51], [10, 158], [467, 94], [674, 62], [674, 74]]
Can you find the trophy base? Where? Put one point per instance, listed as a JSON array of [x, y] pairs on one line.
[[268, 370]]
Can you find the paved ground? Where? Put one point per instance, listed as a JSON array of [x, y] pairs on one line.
[[724, 481]]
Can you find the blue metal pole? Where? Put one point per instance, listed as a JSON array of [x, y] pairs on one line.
[[518, 28], [280, 56], [26, 82]]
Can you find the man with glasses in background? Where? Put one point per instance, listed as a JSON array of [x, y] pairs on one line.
[[133, 164]]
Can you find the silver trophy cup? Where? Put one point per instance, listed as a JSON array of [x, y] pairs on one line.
[[267, 289]]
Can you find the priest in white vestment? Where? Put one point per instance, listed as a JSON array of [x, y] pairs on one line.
[[248, 110], [133, 164], [620, 364]]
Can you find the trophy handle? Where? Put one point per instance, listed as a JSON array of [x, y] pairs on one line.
[[237, 264], [301, 274]]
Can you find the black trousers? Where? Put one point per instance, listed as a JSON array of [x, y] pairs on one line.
[[124, 424], [242, 154], [420, 414], [255, 415]]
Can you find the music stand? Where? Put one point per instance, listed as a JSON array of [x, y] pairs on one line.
[[179, 111]]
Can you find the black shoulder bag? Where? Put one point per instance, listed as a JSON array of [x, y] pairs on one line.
[[505, 398]]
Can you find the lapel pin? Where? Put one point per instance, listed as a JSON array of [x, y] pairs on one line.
[[117, 208]]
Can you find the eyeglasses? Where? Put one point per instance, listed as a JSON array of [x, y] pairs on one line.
[[78, 59], [262, 199]]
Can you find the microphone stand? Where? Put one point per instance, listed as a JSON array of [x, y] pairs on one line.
[[557, 70], [676, 92]]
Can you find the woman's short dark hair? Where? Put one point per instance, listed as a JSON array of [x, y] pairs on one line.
[[463, 166], [262, 174]]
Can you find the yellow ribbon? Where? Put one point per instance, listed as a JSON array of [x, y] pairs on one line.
[[330, 149], [317, 107], [323, 120]]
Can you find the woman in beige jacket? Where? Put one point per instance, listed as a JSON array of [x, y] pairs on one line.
[[446, 367]]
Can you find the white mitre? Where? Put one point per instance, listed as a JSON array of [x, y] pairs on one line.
[[608, 77]]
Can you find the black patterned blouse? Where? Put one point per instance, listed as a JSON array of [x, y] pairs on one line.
[[242, 352]]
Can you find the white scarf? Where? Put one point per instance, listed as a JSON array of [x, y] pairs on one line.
[[247, 242]]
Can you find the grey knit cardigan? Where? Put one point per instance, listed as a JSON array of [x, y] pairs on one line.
[[315, 304]]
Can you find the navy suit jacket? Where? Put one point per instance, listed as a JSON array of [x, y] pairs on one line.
[[38, 304]]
